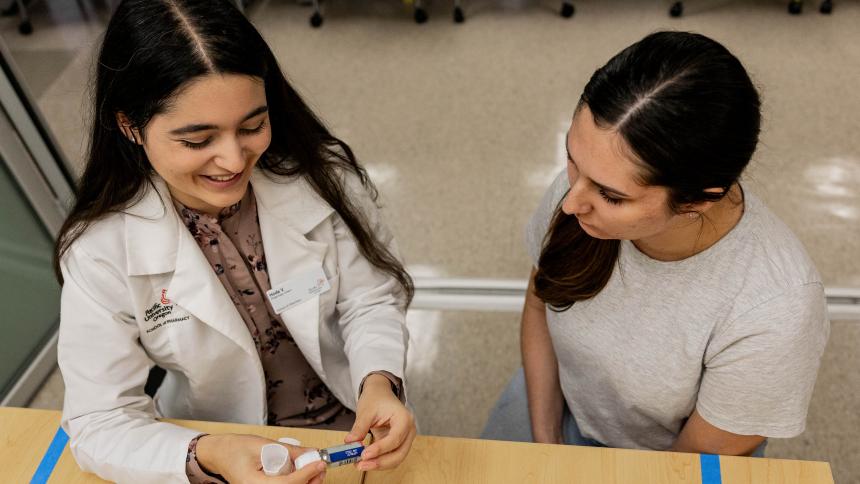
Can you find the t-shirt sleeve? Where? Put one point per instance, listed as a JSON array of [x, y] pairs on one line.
[[760, 370], [538, 224]]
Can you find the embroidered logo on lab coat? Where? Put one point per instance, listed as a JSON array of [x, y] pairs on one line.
[[159, 314]]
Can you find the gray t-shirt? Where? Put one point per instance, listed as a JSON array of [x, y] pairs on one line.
[[736, 332]]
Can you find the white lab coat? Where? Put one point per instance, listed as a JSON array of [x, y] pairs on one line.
[[141, 265]]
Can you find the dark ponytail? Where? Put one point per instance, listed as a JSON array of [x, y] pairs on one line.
[[689, 112]]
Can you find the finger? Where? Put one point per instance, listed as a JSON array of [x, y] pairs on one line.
[[295, 452], [360, 428], [320, 479], [393, 437], [391, 459], [304, 475]]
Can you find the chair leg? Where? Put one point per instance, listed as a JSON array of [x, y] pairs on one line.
[[25, 27], [420, 13], [795, 7], [567, 9], [458, 12], [316, 18]]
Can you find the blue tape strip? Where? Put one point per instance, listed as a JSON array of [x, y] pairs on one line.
[[52, 455], [710, 469]]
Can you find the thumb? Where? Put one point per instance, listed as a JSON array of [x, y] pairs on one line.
[[360, 428], [304, 475]]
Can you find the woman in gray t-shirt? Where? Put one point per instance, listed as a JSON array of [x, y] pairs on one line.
[[668, 308]]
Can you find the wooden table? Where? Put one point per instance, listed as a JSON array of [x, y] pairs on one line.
[[26, 434]]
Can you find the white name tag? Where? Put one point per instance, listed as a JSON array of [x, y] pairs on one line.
[[298, 290]]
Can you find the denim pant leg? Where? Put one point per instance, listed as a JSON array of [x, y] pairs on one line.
[[759, 452], [571, 433], [510, 420]]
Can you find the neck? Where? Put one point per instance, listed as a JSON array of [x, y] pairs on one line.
[[687, 238]]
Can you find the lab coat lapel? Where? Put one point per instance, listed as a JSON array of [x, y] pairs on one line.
[[287, 210], [158, 243], [196, 288]]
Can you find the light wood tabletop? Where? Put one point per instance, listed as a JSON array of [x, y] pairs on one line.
[[25, 436]]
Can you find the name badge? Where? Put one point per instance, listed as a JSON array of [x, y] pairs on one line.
[[298, 290]]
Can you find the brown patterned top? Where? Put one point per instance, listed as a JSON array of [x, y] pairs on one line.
[[296, 396]]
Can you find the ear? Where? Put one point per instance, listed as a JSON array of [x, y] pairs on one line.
[[697, 209], [126, 128]]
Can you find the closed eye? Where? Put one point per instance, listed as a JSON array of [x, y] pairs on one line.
[[196, 146], [610, 199], [256, 130]]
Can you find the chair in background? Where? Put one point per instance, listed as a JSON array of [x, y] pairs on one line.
[[795, 7], [19, 8], [419, 13]]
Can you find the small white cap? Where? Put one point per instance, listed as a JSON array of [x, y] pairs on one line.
[[290, 441], [307, 458], [275, 459]]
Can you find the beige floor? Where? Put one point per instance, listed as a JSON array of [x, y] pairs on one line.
[[461, 127]]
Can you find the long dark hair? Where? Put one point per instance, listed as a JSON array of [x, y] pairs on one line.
[[151, 50], [689, 112]]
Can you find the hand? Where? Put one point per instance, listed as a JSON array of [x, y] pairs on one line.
[[237, 458], [393, 426]]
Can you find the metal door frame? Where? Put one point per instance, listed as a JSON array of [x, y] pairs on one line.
[[30, 153]]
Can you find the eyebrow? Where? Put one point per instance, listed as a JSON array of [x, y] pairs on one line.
[[603, 187], [193, 128]]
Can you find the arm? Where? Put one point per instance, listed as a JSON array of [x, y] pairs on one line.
[[546, 402], [759, 373], [700, 437], [110, 420], [372, 322]]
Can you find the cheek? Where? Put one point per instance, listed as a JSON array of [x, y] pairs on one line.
[[631, 223], [175, 162], [260, 143]]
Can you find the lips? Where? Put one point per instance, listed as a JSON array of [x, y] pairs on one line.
[[221, 178]]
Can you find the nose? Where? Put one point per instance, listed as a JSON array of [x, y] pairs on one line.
[[575, 202], [231, 157]]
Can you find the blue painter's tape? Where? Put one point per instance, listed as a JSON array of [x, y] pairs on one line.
[[52, 455], [710, 469]]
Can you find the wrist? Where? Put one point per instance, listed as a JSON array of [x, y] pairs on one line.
[[208, 449], [375, 382]]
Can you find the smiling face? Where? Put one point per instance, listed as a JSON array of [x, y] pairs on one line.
[[606, 194], [205, 145]]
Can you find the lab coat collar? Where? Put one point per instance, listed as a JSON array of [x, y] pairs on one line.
[[153, 227]]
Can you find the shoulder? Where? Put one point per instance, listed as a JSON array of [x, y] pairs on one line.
[[101, 240], [110, 239], [779, 289], [773, 255], [296, 198]]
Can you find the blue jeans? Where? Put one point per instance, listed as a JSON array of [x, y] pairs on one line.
[[510, 420]]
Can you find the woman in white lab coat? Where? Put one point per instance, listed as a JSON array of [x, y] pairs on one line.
[[223, 234]]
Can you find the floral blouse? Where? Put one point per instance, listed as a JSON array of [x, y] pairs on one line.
[[296, 396]]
